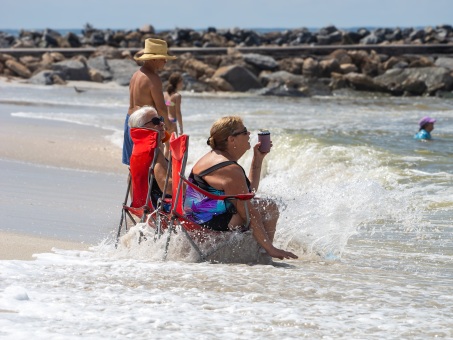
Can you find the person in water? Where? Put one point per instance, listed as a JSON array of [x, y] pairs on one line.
[[426, 126], [173, 101], [147, 117], [145, 87], [218, 172]]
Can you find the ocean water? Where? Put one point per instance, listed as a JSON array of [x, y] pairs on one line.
[[368, 210]]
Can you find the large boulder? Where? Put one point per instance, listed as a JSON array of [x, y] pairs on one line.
[[122, 70], [198, 69], [341, 56], [261, 62], [435, 78], [42, 78], [18, 68], [348, 68], [50, 38], [100, 65], [31, 62], [73, 39], [72, 70], [282, 78], [413, 86], [47, 77], [239, 78], [362, 82], [6, 40], [212, 39], [283, 83], [291, 65], [444, 62], [328, 66], [219, 84], [194, 85], [281, 91], [310, 68]]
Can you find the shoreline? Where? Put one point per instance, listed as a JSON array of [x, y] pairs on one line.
[[19, 246], [62, 183], [58, 143]]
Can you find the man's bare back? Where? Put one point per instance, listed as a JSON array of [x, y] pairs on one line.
[[145, 88]]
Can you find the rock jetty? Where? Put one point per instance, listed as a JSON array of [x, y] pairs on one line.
[[295, 62]]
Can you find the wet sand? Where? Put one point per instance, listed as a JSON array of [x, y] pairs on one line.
[[62, 184], [14, 246]]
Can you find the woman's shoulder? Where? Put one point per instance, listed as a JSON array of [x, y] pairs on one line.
[[210, 161], [175, 96]]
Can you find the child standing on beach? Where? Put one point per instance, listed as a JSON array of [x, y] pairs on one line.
[[173, 102]]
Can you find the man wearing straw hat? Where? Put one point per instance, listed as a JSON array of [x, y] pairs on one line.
[[145, 87]]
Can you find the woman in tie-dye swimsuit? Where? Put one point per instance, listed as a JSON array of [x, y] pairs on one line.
[[219, 172]]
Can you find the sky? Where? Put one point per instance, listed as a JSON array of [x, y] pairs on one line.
[[200, 14]]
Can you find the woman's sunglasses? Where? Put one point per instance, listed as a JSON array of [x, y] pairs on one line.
[[243, 132], [155, 121]]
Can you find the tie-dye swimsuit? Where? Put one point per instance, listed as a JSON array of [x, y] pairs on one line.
[[209, 213]]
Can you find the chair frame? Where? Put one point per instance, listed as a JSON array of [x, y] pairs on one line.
[[128, 211]]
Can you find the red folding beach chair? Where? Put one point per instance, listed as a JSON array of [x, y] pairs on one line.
[[142, 162], [196, 234]]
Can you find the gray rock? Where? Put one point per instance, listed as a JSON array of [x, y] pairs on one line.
[[371, 39], [445, 94], [310, 68], [42, 78], [100, 64], [362, 82], [281, 91], [49, 38], [239, 78], [261, 62], [414, 86], [435, 78], [72, 70], [122, 70], [194, 85], [283, 83], [444, 62], [282, 78], [18, 68], [73, 39]]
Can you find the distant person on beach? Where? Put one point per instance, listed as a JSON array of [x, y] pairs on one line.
[[426, 126], [173, 102], [147, 117], [145, 87], [218, 172]]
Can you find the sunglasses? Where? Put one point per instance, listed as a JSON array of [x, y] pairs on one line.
[[243, 132], [155, 121]]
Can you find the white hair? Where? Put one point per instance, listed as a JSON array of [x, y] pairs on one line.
[[139, 117]]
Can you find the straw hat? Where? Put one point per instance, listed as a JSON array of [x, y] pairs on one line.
[[154, 49]]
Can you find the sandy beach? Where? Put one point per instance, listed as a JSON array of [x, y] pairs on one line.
[[40, 159], [14, 246]]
